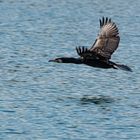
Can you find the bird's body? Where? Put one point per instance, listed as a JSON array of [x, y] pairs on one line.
[[91, 62], [99, 54]]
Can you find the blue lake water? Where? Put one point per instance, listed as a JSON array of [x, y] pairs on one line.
[[50, 101]]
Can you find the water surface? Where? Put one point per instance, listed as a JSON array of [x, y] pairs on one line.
[[42, 100]]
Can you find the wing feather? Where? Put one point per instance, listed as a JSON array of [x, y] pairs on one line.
[[108, 39]]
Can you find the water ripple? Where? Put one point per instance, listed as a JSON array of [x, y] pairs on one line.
[[42, 100]]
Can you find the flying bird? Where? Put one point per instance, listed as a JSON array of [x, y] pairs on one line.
[[100, 53]]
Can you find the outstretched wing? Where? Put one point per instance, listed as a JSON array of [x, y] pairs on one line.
[[105, 44], [86, 53], [108, 39]]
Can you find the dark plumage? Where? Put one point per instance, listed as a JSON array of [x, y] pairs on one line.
[[99, 54]]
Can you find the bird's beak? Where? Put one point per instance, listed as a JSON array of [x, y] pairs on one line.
[[52, 60], [56, 60]]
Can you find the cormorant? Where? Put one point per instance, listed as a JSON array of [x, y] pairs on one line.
[[99, 54]]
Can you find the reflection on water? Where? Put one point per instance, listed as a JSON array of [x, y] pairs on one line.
[[96, 99]]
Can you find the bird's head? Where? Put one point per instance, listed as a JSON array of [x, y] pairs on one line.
[[66, 60], [58, 60]]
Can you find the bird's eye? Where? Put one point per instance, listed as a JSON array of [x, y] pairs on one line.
[[59, 60]]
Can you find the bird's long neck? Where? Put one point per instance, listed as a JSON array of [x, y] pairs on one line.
[[72, 60]]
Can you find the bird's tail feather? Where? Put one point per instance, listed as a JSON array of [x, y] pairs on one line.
[[122, 67]]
